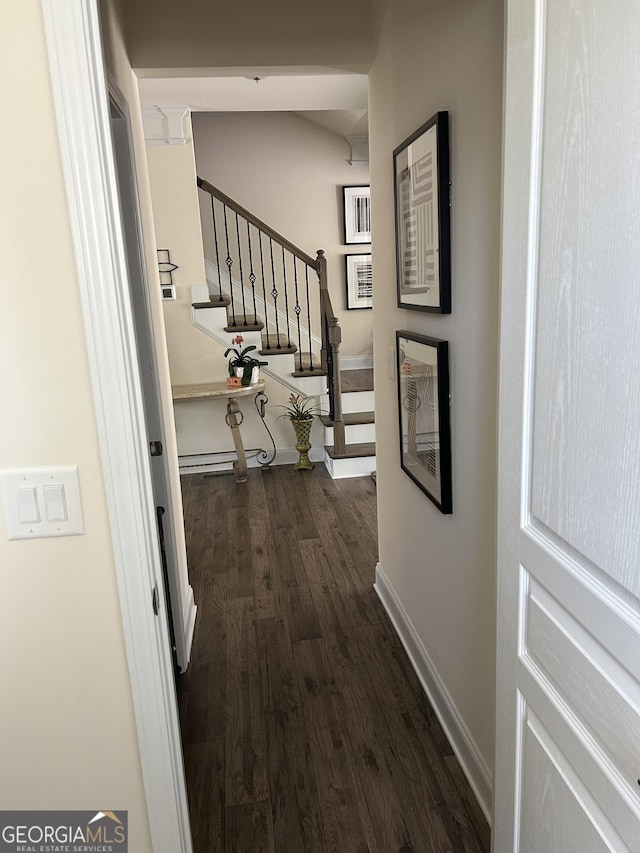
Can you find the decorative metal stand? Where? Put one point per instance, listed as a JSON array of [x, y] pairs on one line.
[[233, 419], [261, 401]]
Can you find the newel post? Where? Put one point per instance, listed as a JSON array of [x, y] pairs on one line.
[[331, 340]]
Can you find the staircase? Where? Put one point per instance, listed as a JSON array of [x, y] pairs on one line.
[[264, 287]]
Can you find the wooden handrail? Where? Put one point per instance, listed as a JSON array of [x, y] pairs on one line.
[[262, 226]]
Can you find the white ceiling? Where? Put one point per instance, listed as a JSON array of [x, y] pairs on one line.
[[331, 99]]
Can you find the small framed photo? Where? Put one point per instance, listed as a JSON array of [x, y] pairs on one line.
[[357, 214], [423, 219], [423, 405], [359, 281]]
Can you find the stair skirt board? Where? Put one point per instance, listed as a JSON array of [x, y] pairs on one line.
[[357, 466]]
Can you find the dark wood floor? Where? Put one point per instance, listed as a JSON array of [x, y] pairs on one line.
[[304, 726]]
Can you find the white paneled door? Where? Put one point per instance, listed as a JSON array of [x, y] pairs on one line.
[[568, 725]]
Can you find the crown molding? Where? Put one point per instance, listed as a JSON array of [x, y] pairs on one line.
[[166, 124]]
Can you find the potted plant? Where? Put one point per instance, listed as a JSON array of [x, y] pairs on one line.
[[300, 411], [243, 365]]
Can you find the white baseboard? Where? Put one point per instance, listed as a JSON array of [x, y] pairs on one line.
[[356, 362], [472, 763], [189, 622], [206, 463]]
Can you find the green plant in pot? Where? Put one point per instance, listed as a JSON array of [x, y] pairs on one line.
[[300, 411], [243, 365]]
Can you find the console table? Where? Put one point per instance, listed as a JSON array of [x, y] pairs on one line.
[[234, 417]]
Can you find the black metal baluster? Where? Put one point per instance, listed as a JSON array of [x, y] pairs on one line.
[[252, 275], [264, 292], [306, 270], [215, 240], [244, 306], [229, 263], [286, 301], [330, 382], [274, 293], [297, 308]]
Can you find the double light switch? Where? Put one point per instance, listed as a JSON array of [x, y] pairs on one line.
[[42, 502]]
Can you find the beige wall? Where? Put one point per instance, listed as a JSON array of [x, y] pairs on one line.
[[443, 56], [289, 172], [172, 177], [67, 732], [165, 34]]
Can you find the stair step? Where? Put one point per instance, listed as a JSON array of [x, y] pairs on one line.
[[213, 303], [274, 349], [351, 418], [252, 325], [317, 371], [352, 451], [307, 360]]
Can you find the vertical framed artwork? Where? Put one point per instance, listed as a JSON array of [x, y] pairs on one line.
[[357, 214], [359, 281], [423, 220], [423, 405]]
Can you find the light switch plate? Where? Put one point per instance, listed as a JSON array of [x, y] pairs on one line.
[[63, 499]]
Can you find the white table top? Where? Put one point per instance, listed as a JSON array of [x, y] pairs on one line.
[[205, 390]]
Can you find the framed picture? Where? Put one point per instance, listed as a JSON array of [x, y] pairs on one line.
[[423, 220], [357, 214], [423, 404], [359, 281]]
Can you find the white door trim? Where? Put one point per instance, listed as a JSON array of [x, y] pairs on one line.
[[81, 102]]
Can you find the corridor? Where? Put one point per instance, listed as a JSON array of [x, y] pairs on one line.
[[304, 726]]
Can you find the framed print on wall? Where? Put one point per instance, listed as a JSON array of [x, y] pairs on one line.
[[423, 219], [359, 281], [423, 405], [357, 214]]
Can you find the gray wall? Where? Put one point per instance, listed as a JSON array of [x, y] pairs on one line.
[[444, 56]]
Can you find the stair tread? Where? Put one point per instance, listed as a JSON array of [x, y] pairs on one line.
[[213, 303], [317, 371], [274, 349], [356, 380], [252, 325], [353, 451], [303, 361], [351, 418]]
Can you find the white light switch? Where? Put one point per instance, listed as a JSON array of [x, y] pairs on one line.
[[55, 506], [42, 502], [27, 497]]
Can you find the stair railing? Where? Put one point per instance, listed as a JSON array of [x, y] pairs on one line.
[[266, 272]]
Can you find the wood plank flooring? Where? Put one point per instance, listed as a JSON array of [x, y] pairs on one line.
[[305, 729]]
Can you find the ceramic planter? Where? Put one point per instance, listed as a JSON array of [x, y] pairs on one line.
[[302, 429]]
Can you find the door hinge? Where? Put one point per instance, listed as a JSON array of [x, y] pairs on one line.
[[155, 600], [156, 448]]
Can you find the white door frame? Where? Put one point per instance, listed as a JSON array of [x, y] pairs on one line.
[[82, 111]]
